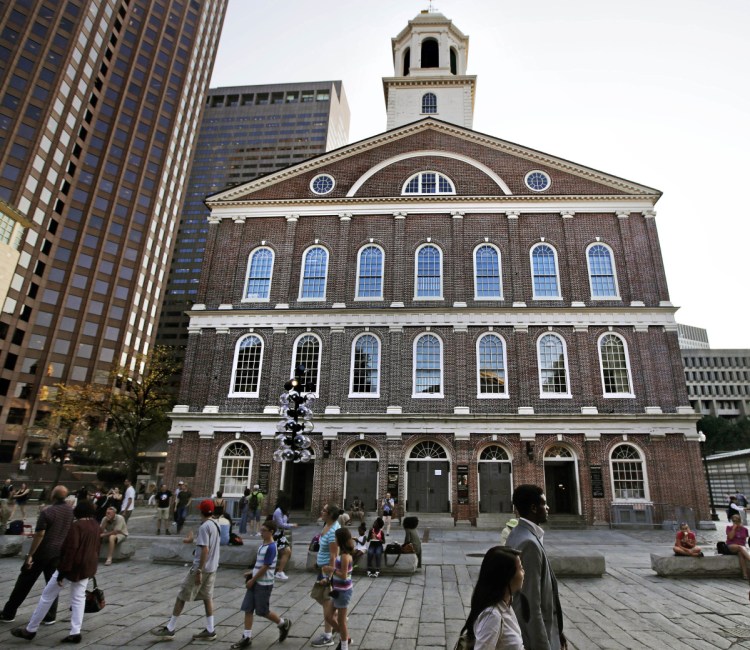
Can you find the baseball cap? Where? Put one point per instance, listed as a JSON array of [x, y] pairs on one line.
[[256, 487], [206, 507]]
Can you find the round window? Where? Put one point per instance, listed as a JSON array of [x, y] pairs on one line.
[[322, 184], [537, 181]]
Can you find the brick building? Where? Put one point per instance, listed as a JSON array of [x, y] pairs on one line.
[[473, 314]]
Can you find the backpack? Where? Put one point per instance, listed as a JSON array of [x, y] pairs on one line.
[[253, 501], [15, 527]]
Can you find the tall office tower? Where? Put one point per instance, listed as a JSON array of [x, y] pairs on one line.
[[246, 132], [100, 101]]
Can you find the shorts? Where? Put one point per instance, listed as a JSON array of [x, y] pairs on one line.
[[257, 600], [119, 537], [342, 599], [191, 591], [255, 515], [162, 513]]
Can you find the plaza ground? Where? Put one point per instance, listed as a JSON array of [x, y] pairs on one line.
[[630, 607]]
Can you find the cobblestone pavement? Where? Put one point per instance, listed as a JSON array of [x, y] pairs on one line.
[[630, 607]]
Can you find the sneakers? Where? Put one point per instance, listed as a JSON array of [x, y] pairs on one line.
[[280, 575], [6, 619], [23, 633], [284, 629], [204, 635], [338, 647], [244, 642], [163, 633], [322, 641], [376, 574], [52, 621]]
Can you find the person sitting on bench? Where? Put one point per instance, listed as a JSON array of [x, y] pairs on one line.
[[113, 531], [684, 543]]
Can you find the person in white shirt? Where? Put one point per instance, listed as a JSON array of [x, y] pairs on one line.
[[492, 623], [128, 501]]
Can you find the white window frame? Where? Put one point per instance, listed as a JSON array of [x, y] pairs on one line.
[[424, 96], [232, 392], [421, 193], [414, 392], [382, 276], [376, 394], [481, 395], [533, 275], [302, 274], [605, 394], [499, 271], [320, 359], [646, 491], [247, 274], [542, 394], [616, 295], [416, 272], [219, 461]]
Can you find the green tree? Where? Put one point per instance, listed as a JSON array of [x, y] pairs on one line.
[[131, 409], [723, 434]]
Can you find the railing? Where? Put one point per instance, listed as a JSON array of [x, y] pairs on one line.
[[646, 514]]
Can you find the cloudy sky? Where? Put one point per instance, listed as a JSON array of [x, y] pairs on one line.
[[655, 91]]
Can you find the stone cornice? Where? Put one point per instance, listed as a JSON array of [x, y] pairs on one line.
[[468, 317]]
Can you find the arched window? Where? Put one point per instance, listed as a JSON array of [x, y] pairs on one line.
[[544, 272], [494, 453], [430, 53], [363, 451], [487, 283], [602, 275], [307, 353], [429, 103], [248, 360], [491, 366], [314, 274], [615, 367], [628, 473], [454, 61], [428, 183], [428, 450], [429, 273], [553, 367], [407, 61], [259, 271], [235, 462], [428, 366], [365, 377], [370, 273]]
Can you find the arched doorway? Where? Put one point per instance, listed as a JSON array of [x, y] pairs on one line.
[[561, 480], [428, 478], [495, 480], [362, 476], [233, 472], [297, 483]]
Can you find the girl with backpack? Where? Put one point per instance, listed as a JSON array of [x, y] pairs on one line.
[[376, 540], [341, 586]]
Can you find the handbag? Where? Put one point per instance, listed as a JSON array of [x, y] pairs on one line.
[[722, 548], [407, 548], [466, 640], [320, 592], [94, 599], [394, 548]]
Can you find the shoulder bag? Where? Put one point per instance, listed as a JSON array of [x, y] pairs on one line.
[[94, 599]]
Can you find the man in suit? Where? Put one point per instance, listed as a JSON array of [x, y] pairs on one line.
[[543, 629]]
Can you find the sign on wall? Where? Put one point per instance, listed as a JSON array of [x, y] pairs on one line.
[[597, 482], [462, 483]]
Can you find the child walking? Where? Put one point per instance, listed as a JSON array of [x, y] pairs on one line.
[[341, 586], [259, 584]]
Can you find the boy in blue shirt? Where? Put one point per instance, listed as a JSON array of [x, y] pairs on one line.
[[259, 584]]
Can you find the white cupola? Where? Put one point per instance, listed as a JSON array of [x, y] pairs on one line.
[[430, 80]]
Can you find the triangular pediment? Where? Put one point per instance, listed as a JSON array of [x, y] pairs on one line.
[[485, 166]]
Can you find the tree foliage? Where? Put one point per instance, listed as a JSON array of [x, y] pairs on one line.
[[725, 435], [124, 417]]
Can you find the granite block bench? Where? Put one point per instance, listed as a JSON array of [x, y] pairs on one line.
[[710, 566], [10, 545], [577, 564], [122, 551], [406, 564]]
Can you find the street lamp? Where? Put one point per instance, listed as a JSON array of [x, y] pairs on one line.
[[702, 441], [296, 410]]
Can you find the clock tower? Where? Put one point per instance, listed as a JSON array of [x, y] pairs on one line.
[[430, 80]]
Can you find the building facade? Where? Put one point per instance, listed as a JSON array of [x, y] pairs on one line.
[[246, 132], [472, 314], [718, 381], [692, 338], [101, 101]]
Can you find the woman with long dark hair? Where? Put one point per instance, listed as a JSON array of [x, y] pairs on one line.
[[492, 622]]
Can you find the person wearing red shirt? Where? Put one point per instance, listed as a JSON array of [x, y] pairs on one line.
[[684, 544]]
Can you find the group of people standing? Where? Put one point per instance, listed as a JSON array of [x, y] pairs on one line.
[[12, 498]]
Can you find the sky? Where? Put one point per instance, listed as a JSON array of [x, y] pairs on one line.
[[654, 91]]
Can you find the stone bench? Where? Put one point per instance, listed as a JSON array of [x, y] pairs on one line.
[[710, 566], [123, 551], [573, 564], [406, 565], [10, 545]]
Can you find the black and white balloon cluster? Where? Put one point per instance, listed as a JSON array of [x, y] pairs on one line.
[[296, 409]]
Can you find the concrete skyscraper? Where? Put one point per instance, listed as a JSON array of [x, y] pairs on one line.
[[246, 132], [100, 102]]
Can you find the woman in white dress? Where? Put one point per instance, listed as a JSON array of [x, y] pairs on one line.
[[492, 621]]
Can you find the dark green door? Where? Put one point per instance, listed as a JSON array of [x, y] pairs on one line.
[[495, 488], [362, 483], [428, 486]]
